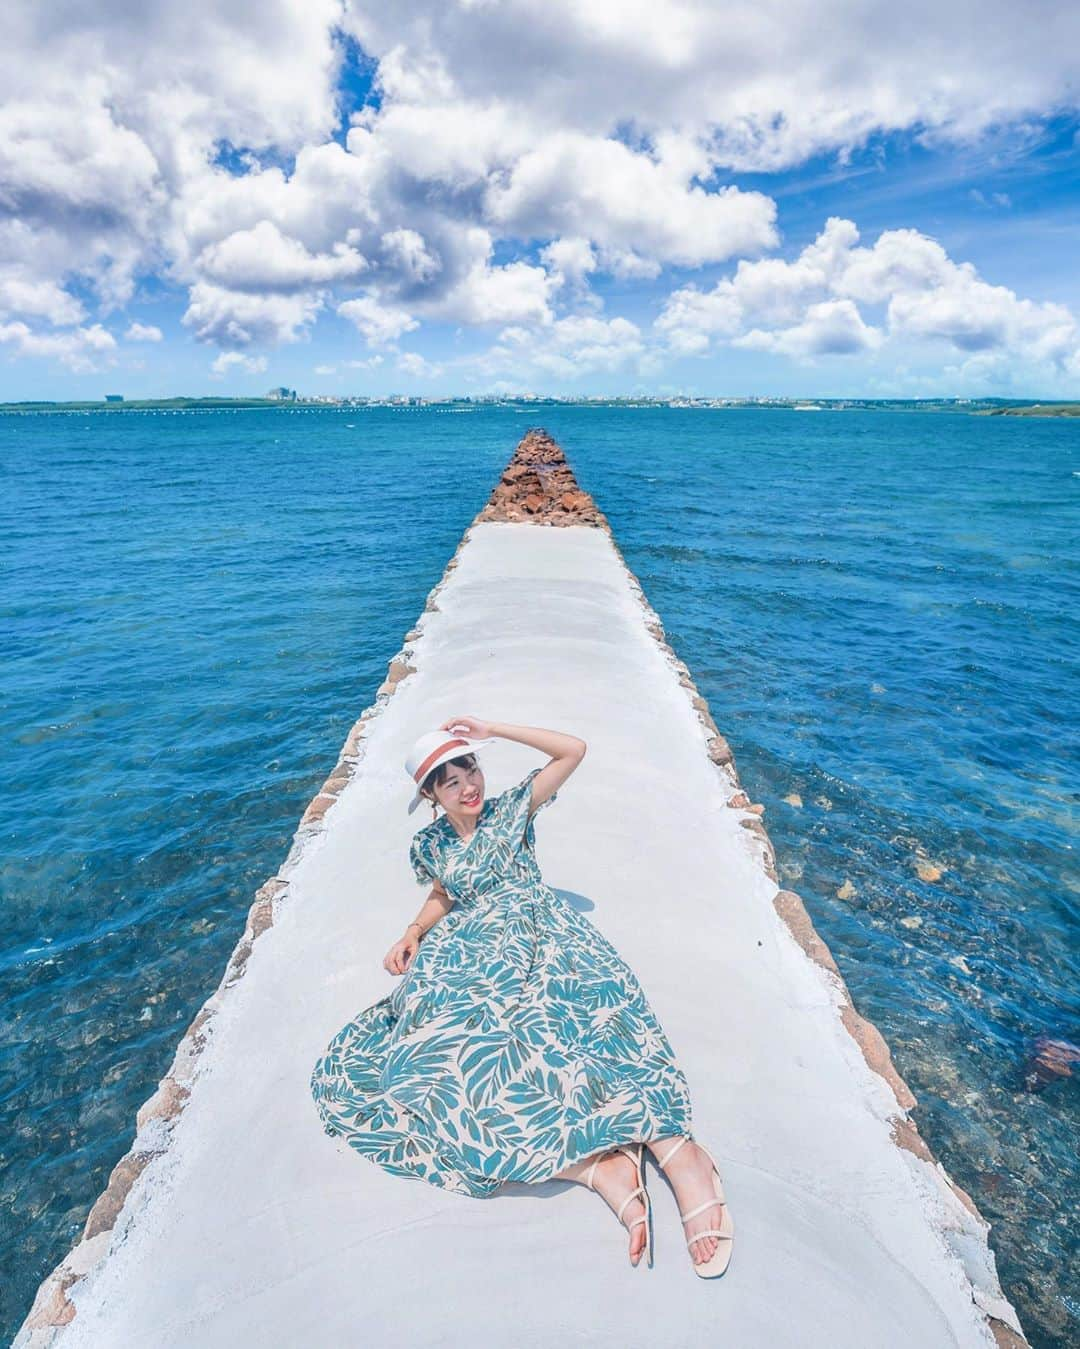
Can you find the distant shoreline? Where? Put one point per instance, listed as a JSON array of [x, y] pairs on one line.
[[1038, 410], [985, 407]]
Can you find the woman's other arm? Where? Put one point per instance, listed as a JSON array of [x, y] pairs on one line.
[[435, 908]]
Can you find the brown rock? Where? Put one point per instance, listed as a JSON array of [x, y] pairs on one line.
[[338, 779], [107, 1209], [866, 1035], [876, 1052], [356, 734], [194, 1031], [52, 1306], [720, 750], [1004, 1336], [1049, 1062], [238, 961], [166, 1103], [539, 486], [317, 809], [260, 917], [272, 888]]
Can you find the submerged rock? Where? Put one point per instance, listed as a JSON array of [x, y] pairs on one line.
[[1049, 1062]]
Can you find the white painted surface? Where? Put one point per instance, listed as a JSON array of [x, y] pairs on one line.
[[255, 1228]]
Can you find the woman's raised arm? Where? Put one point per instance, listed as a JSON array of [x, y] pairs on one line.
[[566, 751]]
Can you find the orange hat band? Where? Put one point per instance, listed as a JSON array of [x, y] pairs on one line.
[[422, 771]]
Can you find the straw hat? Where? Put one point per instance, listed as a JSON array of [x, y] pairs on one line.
[[434, 748]]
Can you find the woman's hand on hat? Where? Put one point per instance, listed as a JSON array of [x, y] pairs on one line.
[[478, 730]]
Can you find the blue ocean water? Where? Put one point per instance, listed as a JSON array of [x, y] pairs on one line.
[[879, 607]]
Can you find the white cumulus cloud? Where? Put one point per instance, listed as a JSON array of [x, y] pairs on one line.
[[829, 328], [567, 349], [517, 158], [143, 332], [226, 361], [412, 363], [913, 290], [82, 350], [380, 324], [263, 259], [237, 319]]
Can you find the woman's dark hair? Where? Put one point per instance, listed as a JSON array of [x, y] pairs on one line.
[[438, 775]]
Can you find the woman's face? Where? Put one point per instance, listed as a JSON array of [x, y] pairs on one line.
[[462, 790]]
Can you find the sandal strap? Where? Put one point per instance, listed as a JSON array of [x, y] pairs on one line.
[[662, 1162], [628, 1200], [640, 1190], [709, 1232], [709, 1203]]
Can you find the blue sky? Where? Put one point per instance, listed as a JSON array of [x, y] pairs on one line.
[[567, 199]]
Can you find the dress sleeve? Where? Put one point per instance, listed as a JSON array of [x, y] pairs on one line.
[[515, 805], [420, 863]]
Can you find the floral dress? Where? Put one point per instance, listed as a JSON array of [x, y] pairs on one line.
[[518, 1040]]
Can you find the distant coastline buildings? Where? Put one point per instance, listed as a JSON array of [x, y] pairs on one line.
[[116, 402]]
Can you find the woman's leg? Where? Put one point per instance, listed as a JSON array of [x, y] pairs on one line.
[[615, 1177], [690, 1174], [576, 1170]]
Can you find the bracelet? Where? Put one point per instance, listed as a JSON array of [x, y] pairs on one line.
[[419, 929]]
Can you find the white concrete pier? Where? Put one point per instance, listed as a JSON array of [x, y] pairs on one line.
[[239, 1222]]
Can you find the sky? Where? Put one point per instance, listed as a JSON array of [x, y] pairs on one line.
[[762, 197]]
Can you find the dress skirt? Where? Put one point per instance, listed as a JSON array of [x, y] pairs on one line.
[[517, 1042]]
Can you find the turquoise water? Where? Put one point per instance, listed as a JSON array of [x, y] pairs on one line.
[[878, 607]]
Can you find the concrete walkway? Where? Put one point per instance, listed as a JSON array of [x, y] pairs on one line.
[[245, 1225]]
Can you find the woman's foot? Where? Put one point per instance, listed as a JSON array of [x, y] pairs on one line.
[[614, 1178], [690, 1173]]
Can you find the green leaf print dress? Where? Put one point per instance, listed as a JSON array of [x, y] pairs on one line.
[[518, 1040]]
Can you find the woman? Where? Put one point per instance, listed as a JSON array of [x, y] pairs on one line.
[[520, 1047]]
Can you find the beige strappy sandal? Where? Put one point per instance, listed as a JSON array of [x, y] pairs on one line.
[[640, 1191], [720, 1258]]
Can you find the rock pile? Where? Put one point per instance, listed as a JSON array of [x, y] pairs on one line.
[[538, 487]]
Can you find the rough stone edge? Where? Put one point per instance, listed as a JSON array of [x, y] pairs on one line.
[[52, 1309]]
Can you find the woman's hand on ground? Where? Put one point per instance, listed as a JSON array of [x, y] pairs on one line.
[[400, 956], [479, 730]]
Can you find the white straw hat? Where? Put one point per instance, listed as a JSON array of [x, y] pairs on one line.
[[434, 748]]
